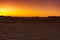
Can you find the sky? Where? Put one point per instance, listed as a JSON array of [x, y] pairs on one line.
[[28, 8]]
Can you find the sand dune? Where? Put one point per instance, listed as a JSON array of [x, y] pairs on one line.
[[29, 30]]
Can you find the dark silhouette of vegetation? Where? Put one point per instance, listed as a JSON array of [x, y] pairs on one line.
[[29, 19]]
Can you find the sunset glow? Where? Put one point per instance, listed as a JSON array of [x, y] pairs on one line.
[[29, 8]]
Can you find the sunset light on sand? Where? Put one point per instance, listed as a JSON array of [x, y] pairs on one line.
[[29, 19]]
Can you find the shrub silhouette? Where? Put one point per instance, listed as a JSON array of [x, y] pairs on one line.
[[30, 19]]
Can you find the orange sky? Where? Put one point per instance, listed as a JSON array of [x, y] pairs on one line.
[[29, 8]]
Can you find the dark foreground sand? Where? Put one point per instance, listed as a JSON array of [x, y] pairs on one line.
[[30, 31]]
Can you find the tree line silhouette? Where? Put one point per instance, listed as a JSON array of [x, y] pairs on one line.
[[30, 19]]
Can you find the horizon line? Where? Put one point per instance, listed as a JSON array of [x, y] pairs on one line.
[[28, 16]]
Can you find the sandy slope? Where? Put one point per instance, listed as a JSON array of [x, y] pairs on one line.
[[29, 31]]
